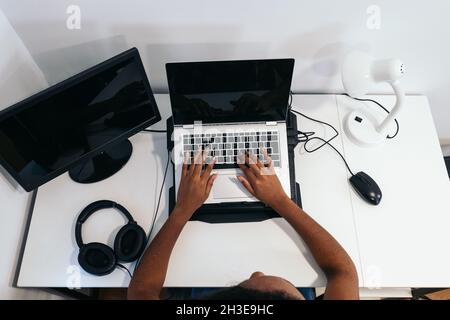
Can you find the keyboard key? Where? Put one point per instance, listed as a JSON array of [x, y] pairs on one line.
[[274, 146], [208, 159], [275, 157], [226, 166]]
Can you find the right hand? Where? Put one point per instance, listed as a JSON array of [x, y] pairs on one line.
[[261, 181]]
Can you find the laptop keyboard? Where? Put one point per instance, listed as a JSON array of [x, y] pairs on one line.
[[226, 147]]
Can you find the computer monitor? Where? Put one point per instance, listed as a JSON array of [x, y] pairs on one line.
[[80, 125]]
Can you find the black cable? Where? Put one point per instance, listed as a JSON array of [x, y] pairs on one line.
[[326, 142], [382, 107], [124, 268], [160, 193], [159, 198], [290, 99], [309, 136], [305, 135], [157, 206]]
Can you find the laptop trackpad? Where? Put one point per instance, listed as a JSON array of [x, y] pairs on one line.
[[228, 186]]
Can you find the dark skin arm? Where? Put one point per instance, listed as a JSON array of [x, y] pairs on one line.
[[195, 186], [342, 278]]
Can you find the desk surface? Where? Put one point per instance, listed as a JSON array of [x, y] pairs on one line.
[[401, 243], [405, 240]]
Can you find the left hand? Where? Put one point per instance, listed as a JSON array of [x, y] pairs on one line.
[[195, 185]]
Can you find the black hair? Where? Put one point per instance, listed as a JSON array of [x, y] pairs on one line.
[[241, 293]]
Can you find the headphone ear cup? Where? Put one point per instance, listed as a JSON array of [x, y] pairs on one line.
[[130, 242], [97, 259]]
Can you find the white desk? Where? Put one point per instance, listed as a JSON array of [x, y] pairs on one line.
[[404, 242], [225, 254]]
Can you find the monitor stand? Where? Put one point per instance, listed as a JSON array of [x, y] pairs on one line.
[[104, 165]]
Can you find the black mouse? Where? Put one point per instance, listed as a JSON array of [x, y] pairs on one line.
[[366, 187]]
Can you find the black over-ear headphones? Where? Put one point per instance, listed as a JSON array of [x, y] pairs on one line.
[[100, 259]]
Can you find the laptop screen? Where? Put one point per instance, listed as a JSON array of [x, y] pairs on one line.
[[230, 91]]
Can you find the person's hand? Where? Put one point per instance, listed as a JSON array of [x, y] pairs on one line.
[[261, 181], [195, 185]]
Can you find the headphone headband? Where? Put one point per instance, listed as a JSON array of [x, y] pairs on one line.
[[91, 209]]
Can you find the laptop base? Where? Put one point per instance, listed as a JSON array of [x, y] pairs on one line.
[[232, 212]]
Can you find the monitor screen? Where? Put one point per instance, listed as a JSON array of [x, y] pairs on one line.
[[45, 134], [230, 91]]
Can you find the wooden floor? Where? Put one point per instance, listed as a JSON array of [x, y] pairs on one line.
[[113, 294], [440, 295]]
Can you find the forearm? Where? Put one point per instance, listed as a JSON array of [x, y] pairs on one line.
[[150, 274], [328, 253]]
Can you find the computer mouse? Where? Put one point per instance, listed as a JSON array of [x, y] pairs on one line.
[[366, 187]]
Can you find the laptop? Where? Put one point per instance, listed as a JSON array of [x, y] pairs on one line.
[[231, 108]]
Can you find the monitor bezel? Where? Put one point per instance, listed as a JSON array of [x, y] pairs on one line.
[[44, 94], [170, 64]]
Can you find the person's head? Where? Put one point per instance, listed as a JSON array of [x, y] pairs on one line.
[[259, 287]]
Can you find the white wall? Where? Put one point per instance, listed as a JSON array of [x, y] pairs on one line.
[[315, 32], [19, 77]]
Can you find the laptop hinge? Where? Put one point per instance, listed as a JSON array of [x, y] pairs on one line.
[[271, 123], [188, 126]]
